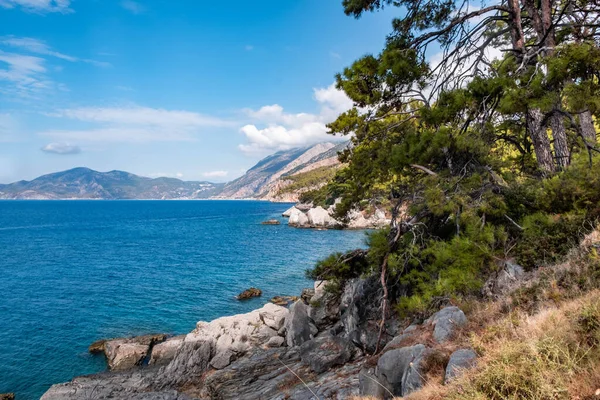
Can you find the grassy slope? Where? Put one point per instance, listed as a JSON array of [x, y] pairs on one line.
[[540, 342], [310, 179]]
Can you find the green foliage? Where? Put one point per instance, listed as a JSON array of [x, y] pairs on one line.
[[547, 238], [339, 267], [462, 168]]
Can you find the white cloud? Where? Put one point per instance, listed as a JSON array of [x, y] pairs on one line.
[[133, 6], [39, 6], [177, 175], [215, 174], [40, 47], [23, 71], [140, 116], [275, 129], [61, 148], [133, 124]]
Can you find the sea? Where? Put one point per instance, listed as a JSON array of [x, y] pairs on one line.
[[72, 272]]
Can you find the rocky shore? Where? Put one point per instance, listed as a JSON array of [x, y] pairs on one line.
[[319, 347], [309, 216]]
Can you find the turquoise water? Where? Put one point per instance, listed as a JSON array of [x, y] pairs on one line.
[[76, 271]]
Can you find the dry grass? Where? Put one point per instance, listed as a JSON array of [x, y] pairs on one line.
[[541, 342]]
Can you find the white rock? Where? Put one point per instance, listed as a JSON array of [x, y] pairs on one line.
[[288, 212], [240, 333], [298, 218], [164, 352], [273, 315], [319, 217], [122, 355]]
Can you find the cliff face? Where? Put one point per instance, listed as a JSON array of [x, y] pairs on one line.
[[84, 183], [269, 178]]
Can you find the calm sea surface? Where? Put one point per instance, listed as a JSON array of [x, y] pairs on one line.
[[72, 272]]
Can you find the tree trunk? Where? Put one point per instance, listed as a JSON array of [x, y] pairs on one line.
[[540, 140], [561, 147], [587, 126]]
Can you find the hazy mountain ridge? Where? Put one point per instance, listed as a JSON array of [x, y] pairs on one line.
[[84, 183], [266, 181]]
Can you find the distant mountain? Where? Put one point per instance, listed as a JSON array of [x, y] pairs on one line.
[[282, 176], [84, 183], [268, 179]]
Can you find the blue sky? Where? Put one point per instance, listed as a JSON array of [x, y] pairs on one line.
[[188, 88]]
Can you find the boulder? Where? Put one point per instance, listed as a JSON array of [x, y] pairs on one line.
[[123, 354], [276, 341], [298, 325], [283, 300], [271, 222], [163, 353], [249, 293], [222, 359], [229, 338], [319, 217], [400, 369], [97, 347], [191, 361], [307, 294], [459, 360], [445, 322], [402, 339], [369, 385], [298, 219], [287, 213], [359, 314], [358, 220], [273, 315], [324, 352], [7, 396], [501, 281], [324, 307]]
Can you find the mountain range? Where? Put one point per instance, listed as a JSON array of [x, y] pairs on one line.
[[267, 180]]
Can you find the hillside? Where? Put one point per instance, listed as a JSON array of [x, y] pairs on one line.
[[268, 179], [84, 183]]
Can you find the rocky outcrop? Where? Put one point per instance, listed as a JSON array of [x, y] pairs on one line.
[[399, 370], [122, 354], [317, 350], [324, 307], [361, 220], [271, 222], [298, 326], [7, 396], [287, 213], [460, 360], [307, 216], [283, 300], [163, 353], [326, 351], [249, 293], [501, 281], [446, 322], [298, 218], [359, 314]]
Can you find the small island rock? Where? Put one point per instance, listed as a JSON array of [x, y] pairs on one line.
[[271, 222], [249, 293]]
